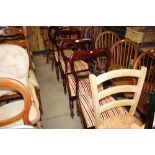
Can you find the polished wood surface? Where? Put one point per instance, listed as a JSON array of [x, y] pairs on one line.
[[147, 59], [16, 85]]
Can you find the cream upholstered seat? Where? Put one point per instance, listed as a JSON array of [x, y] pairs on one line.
[[14, 62]]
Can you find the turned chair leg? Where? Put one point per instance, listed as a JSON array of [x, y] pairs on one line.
[[57, 70], [64, 84], [71, 105]]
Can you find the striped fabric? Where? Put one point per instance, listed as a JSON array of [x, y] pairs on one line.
[[79, 65], [85, 100], [84, 84], [68, 53]]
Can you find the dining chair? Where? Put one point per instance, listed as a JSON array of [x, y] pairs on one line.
[[67, 49], [57, 35], [77, 80], [22, 111], [14, 62], [124, 54], [146, 59], [103, 107], [106, 40]]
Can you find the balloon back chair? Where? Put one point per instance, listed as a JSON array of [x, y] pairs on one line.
[[147, 59], [100, 97], [14, 62]]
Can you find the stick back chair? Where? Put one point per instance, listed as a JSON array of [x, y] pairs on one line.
[[105, 39], [120, 121], [146, 59]]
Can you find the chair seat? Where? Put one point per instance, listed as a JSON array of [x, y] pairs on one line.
[[121, 122], [86, 104], [15, 107], [84, 84], [32, 79]]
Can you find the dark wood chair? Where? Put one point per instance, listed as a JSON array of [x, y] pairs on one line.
[[150, 118], [56, 36], [66, 53], [77, 81]]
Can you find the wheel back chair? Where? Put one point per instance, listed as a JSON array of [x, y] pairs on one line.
[[146, 59], [106, 40]]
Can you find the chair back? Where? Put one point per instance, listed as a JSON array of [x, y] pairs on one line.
[[97, 95], [146, 59], [92, 32], [14, 62], [20, 88], [124, 54], [105, 40]]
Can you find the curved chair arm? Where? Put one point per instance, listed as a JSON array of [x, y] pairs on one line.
[[18, 86]]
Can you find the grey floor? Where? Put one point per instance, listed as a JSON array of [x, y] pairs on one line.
[[56, 114]]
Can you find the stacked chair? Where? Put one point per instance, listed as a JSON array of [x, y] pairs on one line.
[[146, 59], [97, 72], [19, 102], [18, 36]]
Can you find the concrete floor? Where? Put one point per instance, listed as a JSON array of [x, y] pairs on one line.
[[56, 113]]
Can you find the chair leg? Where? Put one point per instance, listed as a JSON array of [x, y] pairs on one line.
[[71, 105], [64, 83], [39, 99], [57, 70]]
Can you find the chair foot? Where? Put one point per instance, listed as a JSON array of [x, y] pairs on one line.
[[39, 125], [71, 109], [57, 70]]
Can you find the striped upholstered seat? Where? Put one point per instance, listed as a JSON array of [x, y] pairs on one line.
[[85, 101], [84, 85]]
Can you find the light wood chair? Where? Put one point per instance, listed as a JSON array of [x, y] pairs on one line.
[[121, 121], [18, 112], [105, 40], [124, 54], [146, 59]]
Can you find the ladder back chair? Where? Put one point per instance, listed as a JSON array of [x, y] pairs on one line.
[[100, 109]]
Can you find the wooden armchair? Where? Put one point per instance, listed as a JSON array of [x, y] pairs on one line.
[[146, 59], [18, 112], [106, 108]]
